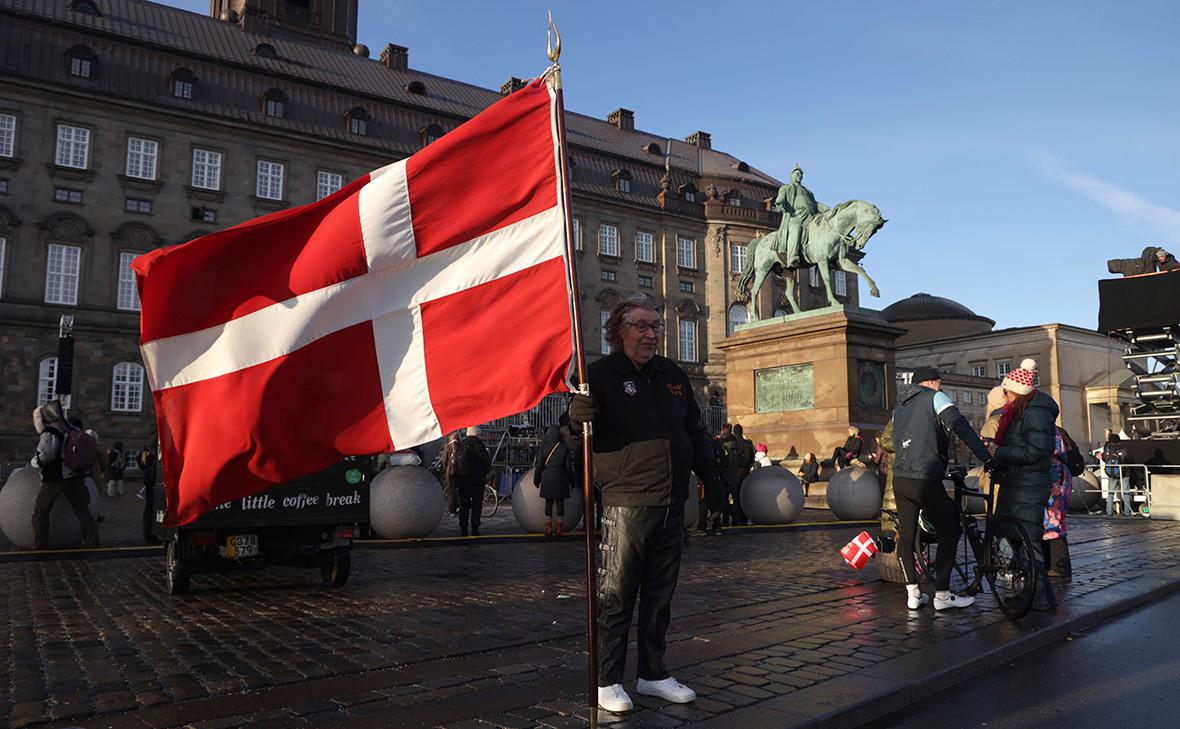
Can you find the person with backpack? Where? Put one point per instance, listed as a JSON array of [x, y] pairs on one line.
[[471, 466], [1119, 480], [64, 455], [116, 466], [733, 473], [554, 473]]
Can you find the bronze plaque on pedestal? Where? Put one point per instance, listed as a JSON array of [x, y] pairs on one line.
[[870, 383], [779, 389]]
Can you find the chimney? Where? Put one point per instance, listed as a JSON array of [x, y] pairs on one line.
[[702, 140], [512, 85], [396, 57], [623, 119]]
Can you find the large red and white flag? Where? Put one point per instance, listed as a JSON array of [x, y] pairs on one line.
[[429, 295]]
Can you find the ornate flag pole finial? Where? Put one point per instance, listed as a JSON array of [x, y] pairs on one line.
[[553, 51]]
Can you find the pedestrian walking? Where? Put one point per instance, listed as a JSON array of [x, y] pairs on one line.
[[921, 421], [746, 447], [1023, 449], [1118, 479], [553, 473], [147, 470], [735, 470], [116, 466], [472, 465], [808, 472], [843, 456], [648, 437], [60, 476]]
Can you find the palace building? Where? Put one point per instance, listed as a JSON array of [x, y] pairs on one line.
[[126, 125]]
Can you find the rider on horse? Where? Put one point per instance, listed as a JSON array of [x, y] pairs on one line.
[[797, 205]]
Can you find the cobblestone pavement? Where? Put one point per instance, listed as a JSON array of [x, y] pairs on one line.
[[470, 634]]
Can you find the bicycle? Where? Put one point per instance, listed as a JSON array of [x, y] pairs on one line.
[[1001, 553], [491, 501]]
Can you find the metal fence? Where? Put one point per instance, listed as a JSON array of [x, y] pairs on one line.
[[1130, 489]]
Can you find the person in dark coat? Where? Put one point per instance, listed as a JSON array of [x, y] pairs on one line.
[[808, 472], [1023, 449], [851, 450], [472, 462], [57, 478], [147, 469], [733, 472], [554, 473]]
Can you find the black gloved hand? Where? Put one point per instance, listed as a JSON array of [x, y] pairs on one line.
[[582, 410]]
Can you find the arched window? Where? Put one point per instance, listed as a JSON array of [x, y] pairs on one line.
[[416, 87], [127, 388], [357, 121], [87, 7], [274, 103], [734, 198], [181, 83], [81, 62], [430, 134], [47, 380], [265, 50], [622, 180], [738, 314], [652, 148]]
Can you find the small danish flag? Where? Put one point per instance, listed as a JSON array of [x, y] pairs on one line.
[[859, 551]]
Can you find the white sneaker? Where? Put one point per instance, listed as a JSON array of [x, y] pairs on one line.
[[952, 601], [668, 689], [913, 602], [614, 699]]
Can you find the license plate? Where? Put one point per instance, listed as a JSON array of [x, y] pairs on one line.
[[241, 545]]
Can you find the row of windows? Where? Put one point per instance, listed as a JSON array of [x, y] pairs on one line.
[[1003, 367], [686, 341], [63, 275], [142, 162], [126, 385], [645, 249]]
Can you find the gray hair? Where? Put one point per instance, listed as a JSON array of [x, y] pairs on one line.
[[614, 324]]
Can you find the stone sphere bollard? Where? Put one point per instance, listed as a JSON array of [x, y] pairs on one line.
[[529, 508], [854, 494], [772, 495], [19, 496], [405, 501], [1086, 493]]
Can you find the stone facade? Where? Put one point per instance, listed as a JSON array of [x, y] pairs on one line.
[[264, 81]]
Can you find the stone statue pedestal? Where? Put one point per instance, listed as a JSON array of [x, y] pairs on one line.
[[800, 380]]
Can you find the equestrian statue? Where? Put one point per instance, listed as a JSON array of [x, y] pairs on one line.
[[810, 233]]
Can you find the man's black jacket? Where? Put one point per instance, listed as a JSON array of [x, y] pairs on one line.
[[648, 434]]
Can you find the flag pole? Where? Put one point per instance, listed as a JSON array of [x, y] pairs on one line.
[[553, 50]]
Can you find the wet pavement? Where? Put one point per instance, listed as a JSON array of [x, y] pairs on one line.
[[769, 626]]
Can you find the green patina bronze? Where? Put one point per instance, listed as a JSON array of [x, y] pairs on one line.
[[779, 389], [810, 233]]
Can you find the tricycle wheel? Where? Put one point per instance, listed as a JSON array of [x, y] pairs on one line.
[[335, 568], [176, 571]]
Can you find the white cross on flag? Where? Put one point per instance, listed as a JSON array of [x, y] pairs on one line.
[[427, 296]]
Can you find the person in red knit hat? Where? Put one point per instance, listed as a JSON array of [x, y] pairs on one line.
[[1023, 451]]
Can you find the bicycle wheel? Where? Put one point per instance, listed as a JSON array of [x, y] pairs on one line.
[[1012, 567], [491, 502]]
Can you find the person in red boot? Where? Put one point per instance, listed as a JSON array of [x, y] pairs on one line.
[[553, 474]]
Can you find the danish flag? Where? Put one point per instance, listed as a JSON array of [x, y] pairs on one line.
[[859, 551], [426, 296]]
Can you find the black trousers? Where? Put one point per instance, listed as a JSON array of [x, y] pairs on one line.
[[551, 503], [75, 492], [930, 496], [470, 502], [639, 558]]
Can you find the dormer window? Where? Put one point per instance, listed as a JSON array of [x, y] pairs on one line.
[[733, 198], [688, 192], [416, 87], [742, 167], [181, 83], [358, 121], [622, 180], [430, 134], [81, 62], [265, 50], [653, 148], [274, 104], [86, 7]]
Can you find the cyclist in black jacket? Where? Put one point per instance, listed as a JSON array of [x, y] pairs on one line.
[[648, 437]]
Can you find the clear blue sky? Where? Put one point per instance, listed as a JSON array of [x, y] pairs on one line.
[[1013, 146]]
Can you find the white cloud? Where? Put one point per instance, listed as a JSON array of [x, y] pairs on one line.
[[1115, 199]]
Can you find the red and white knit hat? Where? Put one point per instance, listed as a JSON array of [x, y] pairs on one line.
[[1021, 380]]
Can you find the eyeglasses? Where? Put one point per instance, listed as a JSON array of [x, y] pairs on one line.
[[644, 327]]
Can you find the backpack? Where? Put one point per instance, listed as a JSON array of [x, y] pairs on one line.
[[78, 450], [1073, 457], [467, 459]]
